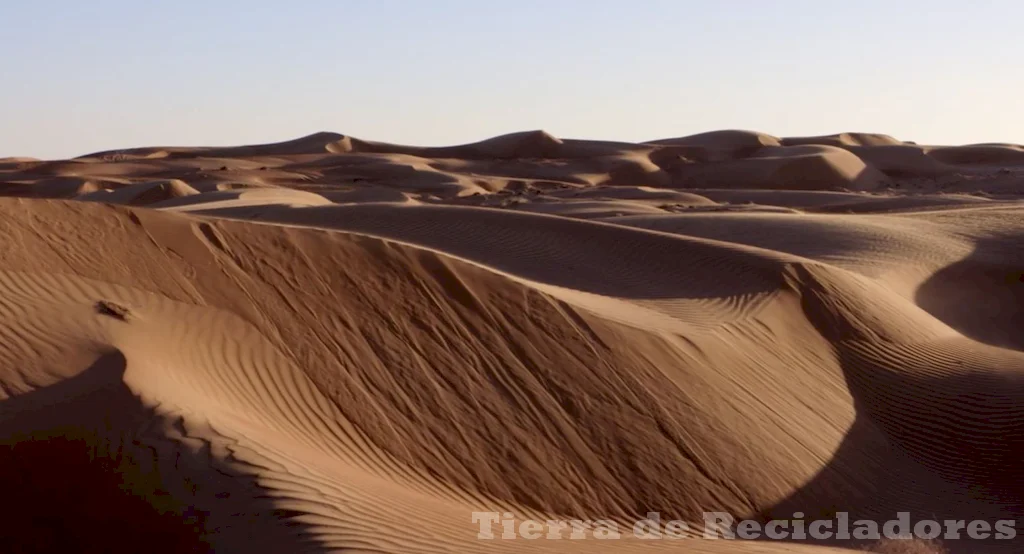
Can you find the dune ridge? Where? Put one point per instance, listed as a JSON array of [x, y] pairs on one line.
[[330, 344]]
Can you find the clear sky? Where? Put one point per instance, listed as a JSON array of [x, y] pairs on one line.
[[81, 76]]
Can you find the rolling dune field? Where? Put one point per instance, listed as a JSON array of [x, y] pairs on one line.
[[337, 345]]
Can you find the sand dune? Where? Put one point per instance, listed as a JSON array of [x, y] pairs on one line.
[[332, 344], [844, 140]]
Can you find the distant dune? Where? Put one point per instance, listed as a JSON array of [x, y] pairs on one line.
[[336, 345]]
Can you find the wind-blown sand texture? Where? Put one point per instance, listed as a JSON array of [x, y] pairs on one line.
[[336, 345]]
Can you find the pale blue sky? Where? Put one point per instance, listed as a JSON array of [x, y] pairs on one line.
[[86, 76]]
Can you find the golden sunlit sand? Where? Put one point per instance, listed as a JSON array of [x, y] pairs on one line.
[[337, 345]]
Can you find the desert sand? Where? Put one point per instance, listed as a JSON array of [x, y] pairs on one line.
[[337, 345]]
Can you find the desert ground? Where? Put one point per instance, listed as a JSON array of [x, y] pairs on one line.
[[336, 345]]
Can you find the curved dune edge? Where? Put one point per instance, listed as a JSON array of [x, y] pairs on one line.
[[331, 345], [243, 400]]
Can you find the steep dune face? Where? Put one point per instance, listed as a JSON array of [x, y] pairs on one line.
[[335, 345], [487, 365]]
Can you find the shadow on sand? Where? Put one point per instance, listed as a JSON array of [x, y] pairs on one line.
[[86, 467], [940, 436]]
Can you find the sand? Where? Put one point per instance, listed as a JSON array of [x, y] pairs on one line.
[[338, 345]]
